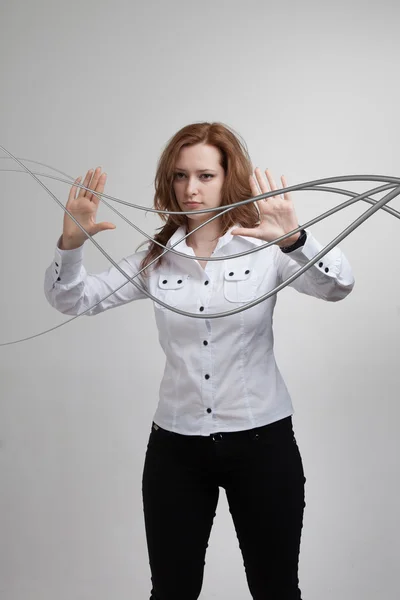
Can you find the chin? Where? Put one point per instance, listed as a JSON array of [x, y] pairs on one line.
[[197, 217]]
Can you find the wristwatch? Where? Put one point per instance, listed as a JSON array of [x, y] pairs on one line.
[[301, 240]]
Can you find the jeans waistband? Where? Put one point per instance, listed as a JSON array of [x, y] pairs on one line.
[[277, 426]]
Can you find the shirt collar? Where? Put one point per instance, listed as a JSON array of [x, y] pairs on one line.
[[223, 240]]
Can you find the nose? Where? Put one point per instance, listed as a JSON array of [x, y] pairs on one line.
[[191, 188]]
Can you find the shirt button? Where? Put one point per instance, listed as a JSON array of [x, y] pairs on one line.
[[165, 281], [205, 343], [206, 282], [201, 308], [231, 273], [207, 376], [58, 278], [321, 264], [179, 281], [56, 264], [247, 272], [209, 410], [326, 270]]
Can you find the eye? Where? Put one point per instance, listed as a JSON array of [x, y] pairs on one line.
[[179, 175], [207, 176]]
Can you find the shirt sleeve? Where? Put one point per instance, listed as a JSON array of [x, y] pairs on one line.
[[331, 278], [71, 290]]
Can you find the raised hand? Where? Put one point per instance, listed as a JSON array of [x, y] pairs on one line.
[[83, 205], [277, 214]]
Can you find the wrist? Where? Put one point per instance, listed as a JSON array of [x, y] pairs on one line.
[[300, 241], [70, 242], [290, 241]]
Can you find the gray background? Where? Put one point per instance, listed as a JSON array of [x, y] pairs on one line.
[[313, 88]]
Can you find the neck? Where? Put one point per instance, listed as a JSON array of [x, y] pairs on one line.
[[204, 237]]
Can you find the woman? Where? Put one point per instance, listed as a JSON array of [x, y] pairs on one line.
[[224, 413]]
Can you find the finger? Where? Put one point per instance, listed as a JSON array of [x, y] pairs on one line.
[[99, 188], [271, 180], [255, 190], [93, 183], [286, 195], [86, 182], [73, 190], [253, 185], [261, 181]]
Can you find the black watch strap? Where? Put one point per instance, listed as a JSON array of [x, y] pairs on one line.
[[298, 244]]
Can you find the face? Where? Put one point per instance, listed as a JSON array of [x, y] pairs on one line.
[[198, 180]]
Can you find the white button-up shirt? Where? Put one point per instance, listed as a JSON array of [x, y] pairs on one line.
[[220, 374]]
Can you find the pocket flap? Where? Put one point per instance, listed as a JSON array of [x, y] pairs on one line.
[[167, 281], [237, 273]]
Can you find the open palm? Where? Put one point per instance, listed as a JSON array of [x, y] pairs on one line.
[[277, 214], [83, 205]]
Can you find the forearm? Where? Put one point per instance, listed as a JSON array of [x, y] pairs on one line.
[[330, 278], [71, 290]]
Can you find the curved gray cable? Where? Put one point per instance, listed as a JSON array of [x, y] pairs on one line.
[[391, 211], [322, 253], [244, 307], [297, 187], [309, 223]]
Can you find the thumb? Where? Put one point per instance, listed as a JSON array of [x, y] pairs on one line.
[[103, 226], [246, 232]]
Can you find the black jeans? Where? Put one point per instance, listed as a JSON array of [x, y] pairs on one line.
[[262, 473]]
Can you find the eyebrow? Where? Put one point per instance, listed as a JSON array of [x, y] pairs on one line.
[[198, 170]]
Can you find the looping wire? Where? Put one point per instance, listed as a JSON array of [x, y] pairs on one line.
[[391, 183]]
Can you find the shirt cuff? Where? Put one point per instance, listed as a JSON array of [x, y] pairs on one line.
[[67, 265], [328, 265]]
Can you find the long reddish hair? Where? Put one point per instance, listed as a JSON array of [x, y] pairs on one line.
[[237, 167]]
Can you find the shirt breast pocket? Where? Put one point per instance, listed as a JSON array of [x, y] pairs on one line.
[[171, 289], [240, 283]]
